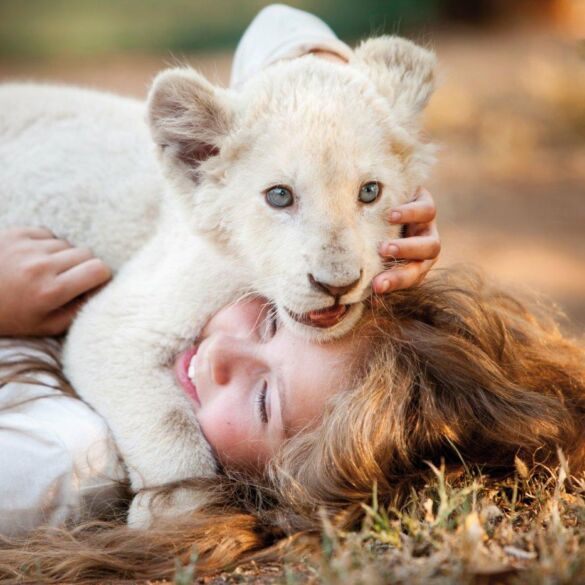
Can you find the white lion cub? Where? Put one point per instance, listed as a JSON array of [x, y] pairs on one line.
[[279, 189]]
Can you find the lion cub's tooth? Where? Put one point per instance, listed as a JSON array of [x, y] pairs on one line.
[[191, 370]]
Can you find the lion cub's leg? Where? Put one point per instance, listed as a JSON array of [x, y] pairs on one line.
[[120, 353]]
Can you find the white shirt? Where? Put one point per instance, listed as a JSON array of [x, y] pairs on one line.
[[281, 32], [58, 462]]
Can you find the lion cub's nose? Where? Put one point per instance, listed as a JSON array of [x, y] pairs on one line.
[[335, 291]]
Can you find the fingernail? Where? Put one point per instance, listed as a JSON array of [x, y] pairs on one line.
[[395, 216], [392, 250]]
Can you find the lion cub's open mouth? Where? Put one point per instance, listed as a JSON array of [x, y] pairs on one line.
[[322, 318]]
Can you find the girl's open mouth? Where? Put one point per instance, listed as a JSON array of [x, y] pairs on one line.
[[322, 318], [184, 371]]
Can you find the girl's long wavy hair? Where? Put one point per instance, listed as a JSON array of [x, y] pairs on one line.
[[452, 370]]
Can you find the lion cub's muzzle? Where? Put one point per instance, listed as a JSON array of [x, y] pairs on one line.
[[327, 316]]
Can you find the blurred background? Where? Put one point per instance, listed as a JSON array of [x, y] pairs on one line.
[[509, 114]]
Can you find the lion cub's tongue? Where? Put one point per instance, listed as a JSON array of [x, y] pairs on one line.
[[327, 317]]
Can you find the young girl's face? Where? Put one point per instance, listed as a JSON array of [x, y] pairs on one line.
[[254, 383]]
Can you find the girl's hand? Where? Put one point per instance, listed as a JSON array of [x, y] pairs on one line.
[[42, 279], [420, 247]]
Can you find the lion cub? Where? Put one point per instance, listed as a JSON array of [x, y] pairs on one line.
[[279, 189]]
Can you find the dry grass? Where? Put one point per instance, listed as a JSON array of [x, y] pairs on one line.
[[528, 529]]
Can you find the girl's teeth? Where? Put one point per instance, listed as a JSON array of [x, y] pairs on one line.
[[191, 370]]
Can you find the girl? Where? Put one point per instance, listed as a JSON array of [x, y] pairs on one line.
[[453, 369], [57, 455]]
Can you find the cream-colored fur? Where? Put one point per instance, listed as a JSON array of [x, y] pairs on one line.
[[81, 164]]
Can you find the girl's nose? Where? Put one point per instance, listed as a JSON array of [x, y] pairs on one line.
[[230, 356]]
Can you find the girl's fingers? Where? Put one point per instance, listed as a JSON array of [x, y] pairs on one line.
[[413, 212], [57, 324], [58, 321], [415, 248], [421, 247], [81, 278], [421, 210], [421, 229], [51, 246], [35, 233], [401, 277], [70, 257]]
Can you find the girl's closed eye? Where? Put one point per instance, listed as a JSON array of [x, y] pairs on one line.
[[261, 402]]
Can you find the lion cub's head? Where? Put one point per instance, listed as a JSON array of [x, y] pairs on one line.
[[295, 173]]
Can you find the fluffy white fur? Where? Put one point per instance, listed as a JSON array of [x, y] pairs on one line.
[[82, 164]]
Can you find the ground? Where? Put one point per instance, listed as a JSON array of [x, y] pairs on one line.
[[526, 530], [509, 117]]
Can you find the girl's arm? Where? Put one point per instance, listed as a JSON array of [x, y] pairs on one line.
[[282, 32]]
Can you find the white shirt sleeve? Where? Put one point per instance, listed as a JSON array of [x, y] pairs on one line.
[[58, 462], [281, 32]]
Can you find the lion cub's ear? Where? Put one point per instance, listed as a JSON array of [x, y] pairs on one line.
[[403, 72], [188, 117]]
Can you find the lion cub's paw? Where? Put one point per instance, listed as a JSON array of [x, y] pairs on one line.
[[150, 507]]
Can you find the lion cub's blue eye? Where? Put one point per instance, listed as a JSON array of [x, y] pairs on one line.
[[279, 196], [370, 192]]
